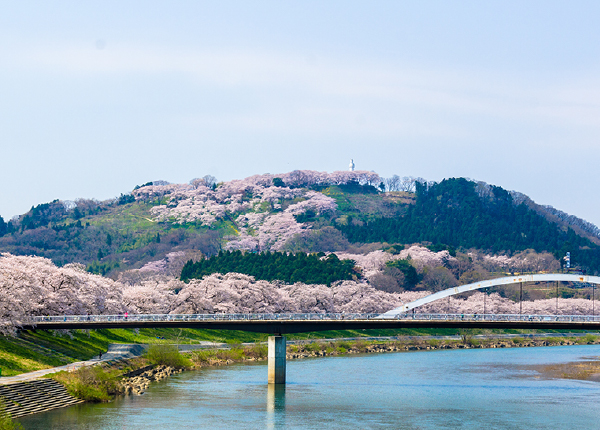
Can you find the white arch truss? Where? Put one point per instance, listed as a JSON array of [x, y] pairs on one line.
[[546, 277]]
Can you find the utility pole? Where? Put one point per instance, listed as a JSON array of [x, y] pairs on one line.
[[521, 298], [484, 298], [556, 297]]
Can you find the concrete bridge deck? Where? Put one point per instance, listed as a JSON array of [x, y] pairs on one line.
[[279, 324]]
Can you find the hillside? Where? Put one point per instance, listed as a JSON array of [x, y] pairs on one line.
[[302, 211]]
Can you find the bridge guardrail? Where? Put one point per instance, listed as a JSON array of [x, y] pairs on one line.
[[303, 317]]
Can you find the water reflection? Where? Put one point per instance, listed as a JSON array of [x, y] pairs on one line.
[[275, 404]]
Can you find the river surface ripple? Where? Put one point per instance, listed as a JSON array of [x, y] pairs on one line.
[[447, 389]]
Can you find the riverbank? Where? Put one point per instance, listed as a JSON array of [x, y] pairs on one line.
[[475, 388], [321, 349], [101, 382]]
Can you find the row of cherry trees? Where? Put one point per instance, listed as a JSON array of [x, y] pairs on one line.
[[33, 286]]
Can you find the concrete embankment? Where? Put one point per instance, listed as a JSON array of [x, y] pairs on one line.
[[25, 398], [31, 393]]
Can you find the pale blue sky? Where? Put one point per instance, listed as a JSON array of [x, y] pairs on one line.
[[96, 97]]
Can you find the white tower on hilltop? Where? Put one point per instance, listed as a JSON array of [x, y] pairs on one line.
[[352, 165]]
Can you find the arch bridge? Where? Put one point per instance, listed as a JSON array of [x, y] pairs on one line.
[[543, 277]]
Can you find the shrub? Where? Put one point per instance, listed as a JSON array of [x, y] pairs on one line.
[[466, 336], [166, 355], [259, 351], [589, 338], [314, 347], [344, 344], [233, 343], [6, 422], [360, 345], [90, 383]]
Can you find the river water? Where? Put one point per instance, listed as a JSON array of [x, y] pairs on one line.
[[448, 389]]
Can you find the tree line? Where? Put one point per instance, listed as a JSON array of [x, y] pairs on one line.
[[271, 266]]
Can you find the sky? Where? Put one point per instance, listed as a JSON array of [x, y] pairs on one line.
[[97, 97]]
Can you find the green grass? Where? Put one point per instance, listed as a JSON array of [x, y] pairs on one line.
[[166, 355], [20, 356]]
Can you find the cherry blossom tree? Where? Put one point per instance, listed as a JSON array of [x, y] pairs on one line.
[[151, 297], [422, 257], [34, 286]]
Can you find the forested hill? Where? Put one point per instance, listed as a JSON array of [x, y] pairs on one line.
[[296, 212], [464, 214]]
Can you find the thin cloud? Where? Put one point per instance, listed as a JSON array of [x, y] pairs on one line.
[[470, 92]]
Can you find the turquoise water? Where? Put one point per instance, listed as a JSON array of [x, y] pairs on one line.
[[471, 389]]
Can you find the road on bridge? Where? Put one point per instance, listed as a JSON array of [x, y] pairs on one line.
[[279, 324]]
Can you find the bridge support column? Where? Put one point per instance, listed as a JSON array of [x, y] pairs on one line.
[[276, 357]]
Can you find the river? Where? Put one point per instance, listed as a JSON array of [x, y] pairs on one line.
[[446, 389]]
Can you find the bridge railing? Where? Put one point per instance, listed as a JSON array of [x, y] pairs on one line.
[[198, 317], [498, 317], [83, 319]]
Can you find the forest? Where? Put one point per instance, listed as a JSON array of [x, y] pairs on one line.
[[274, 266], [453, 213]]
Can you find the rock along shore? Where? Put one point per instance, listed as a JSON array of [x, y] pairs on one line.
[[137, 384]]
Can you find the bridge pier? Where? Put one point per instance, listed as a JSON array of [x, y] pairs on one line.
[[276, 356]]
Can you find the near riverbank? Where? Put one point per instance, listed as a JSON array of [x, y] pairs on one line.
[[101, 382]]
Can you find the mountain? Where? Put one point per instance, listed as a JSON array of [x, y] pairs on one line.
[[300, 211]]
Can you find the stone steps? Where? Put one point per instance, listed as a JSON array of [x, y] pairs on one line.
[[25, 398]]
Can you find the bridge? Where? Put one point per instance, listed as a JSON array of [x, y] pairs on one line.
[[543, 277], [279, 324]]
